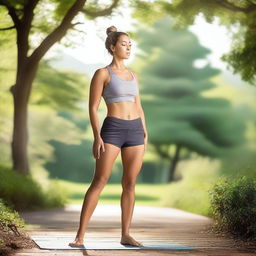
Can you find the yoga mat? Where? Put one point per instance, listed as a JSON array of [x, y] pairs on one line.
[[61, 243]]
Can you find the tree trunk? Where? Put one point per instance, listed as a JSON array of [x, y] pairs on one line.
[[21, 91], [20, 138], [174, 163]]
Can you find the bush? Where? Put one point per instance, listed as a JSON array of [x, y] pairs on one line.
[[22, 192], [233, 204], [9, 219], [11, 238]]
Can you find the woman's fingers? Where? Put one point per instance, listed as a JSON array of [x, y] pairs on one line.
[[101, 147], [97, 147], [99, 151]]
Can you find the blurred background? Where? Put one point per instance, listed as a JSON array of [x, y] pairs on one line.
[[199, 106]]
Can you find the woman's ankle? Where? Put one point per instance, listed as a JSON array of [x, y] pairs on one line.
[[80, 236]]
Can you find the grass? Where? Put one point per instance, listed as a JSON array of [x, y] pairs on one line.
[[146, 194], [188, 194], [184, 195]]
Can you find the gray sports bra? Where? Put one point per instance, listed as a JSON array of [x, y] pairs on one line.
[[117, 89]]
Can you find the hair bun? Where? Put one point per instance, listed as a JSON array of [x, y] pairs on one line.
[[111, 29]]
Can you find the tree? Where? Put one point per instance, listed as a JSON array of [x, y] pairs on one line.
[[231, 13], [27, 20], [182, 121], [55, 113]]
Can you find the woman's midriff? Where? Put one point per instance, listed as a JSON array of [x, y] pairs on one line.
[[125, 110]]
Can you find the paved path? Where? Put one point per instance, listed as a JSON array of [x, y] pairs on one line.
[[148, 222]]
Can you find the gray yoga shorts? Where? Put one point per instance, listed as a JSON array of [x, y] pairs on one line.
[[122, 132]]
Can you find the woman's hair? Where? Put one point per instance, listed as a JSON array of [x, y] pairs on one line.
[[112, 38]]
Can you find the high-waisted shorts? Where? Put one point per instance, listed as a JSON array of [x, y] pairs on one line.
[[122, 132]]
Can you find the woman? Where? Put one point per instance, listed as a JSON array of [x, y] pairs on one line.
[[123, 129]]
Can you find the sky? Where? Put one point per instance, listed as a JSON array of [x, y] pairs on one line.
[[90, 48]]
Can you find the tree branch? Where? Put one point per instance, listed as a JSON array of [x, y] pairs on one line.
[[23, 30], [232, 7], [59, 32], [73, 27], [162, 153], [11, 11], [9, 28], [104, 12], [29, 12], [77, 23]]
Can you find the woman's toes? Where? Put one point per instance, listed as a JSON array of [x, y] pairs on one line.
[[138, 243], [130, 240], [76, 243]]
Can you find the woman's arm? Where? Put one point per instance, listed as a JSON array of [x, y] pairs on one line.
[[138, 103], [96, 88]]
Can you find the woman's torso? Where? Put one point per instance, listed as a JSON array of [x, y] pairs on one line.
[[123, 109]]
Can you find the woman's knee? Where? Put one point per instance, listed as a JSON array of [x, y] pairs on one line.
[[128, 185], [99, 182]]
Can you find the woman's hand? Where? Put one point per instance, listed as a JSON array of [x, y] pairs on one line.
[[98, 145]]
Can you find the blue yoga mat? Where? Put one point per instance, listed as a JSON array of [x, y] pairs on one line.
[[61, 243]]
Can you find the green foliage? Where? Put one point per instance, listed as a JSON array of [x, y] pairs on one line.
[[12, 233], [143, 11], [9, 218], [61, 8], [240, 13], [53, 90], [22, 192], [233, 204], [189, 193], [173, 87], [59, 89], [241, 56], [70, 162]]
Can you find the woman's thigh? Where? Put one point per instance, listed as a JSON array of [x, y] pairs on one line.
[[104, 164], [132, 159]]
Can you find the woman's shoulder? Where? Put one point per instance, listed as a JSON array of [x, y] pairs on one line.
[[101, 71]]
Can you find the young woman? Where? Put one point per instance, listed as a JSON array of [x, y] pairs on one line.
[[123, 129]]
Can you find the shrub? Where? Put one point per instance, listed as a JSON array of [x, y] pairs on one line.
[[233, 204], [22, 192], [12, 235], [9, 219]]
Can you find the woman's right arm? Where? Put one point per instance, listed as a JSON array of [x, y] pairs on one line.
[[96, 88]]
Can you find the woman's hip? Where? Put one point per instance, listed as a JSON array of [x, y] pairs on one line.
[[115, 123]]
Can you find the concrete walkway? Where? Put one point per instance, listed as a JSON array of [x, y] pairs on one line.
[[148, 222]]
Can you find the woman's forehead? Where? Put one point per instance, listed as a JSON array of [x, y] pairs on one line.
[[124, 38]]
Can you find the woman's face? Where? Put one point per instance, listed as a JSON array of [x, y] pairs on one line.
[[122, 48]]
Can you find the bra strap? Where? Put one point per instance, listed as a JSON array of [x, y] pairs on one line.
[[132, 74], [112, 72], [109, 69]]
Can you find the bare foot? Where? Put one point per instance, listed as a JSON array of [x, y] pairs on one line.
[[128, 240], [78, 242]]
